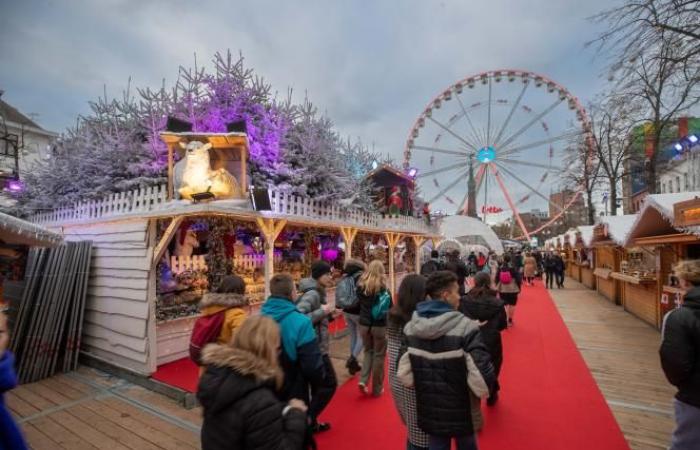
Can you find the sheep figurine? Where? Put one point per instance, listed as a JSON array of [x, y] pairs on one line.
[[193, 174]]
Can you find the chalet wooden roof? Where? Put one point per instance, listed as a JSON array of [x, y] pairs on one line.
[[656, 219], [387, 175]]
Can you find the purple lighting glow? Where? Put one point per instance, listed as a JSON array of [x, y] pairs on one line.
[[14, 186], [412, 172]]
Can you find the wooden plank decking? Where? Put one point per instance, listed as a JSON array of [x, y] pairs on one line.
[[621, 352], [89, 410]]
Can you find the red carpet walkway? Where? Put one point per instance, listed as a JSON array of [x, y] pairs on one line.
[[549, 399]]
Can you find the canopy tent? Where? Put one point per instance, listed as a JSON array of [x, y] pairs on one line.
[[470, 231], [16, 231]]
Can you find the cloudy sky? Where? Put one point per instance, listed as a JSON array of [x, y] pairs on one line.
[[371, 65]]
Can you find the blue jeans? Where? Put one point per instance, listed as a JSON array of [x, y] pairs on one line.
[[443, 442], [687, 433], [353, 323]]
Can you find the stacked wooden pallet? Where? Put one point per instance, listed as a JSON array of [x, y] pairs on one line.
[[49, 318]]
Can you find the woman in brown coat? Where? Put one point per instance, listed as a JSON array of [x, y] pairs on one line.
[[530, 268]]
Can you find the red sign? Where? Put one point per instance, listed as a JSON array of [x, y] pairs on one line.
[[491, 209]]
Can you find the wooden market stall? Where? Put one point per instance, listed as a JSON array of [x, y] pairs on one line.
[[608, 239], [569, 254], [654, 245], [584, 256], [154, 256]]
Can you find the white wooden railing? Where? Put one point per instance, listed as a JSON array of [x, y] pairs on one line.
[[155, 198], [179, 264], [252, 262], [139, 200]]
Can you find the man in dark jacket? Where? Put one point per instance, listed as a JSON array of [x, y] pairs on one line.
[[680, 357], [300, 357], [312, 302], [445, 359], [457, 266], [550, 270], [559, 269], [431, 265]]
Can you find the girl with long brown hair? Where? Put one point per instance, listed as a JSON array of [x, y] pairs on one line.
[[375, 301], [237, 392]]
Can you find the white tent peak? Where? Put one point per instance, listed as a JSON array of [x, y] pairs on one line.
[[470, 231]]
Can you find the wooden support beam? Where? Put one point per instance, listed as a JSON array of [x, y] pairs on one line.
[[392, 240], [171, 172], [271, 229], [436, 242], [165, 240], [418, 242], [349, 235]]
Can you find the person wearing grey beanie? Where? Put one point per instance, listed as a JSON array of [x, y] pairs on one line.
[[312, 302]]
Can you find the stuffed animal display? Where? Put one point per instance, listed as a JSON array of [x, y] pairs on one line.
[[195, 175]]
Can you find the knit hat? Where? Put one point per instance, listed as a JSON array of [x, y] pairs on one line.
[[319, 269]]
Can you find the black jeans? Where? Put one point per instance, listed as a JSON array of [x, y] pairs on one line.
[[560, 279], [322, 394], [550, 278]]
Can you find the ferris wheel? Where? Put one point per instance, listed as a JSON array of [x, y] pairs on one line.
[[513, 133]]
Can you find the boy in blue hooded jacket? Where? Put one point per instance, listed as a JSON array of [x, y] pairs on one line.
[[300, 357], [10, 435]]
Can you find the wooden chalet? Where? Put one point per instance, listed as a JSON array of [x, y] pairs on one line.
[[608, 240], [132, 232]]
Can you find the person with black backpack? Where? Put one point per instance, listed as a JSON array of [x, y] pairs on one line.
[[432, 265], [346, 299], [312, 302]]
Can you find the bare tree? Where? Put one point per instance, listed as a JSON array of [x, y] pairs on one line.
[[612, 123], [635, 26], [583, 171], [654, 46]]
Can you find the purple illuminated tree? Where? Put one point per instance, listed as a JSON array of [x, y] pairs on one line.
[[117, 147]]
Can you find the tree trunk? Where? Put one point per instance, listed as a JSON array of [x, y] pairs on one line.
[[590, 208], [612, 200]]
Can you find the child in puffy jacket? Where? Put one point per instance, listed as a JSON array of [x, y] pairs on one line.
[[10, 434], [228, 302]]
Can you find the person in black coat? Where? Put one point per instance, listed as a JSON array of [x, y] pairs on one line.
[[550, 270], [559, 270], [238, 393], [680, 357], [457, 267], [482, 305]]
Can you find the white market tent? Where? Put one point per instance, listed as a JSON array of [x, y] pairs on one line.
[[470, 231]]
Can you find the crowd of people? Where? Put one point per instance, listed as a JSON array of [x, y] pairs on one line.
[[265, 379]]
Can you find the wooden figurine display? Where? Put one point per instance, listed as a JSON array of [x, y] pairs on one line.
[[193, 174]]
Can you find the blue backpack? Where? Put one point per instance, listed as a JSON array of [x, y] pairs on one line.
[[346, 293], [381, 306]]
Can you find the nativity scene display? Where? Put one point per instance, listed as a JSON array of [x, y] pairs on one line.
[[211, 166]]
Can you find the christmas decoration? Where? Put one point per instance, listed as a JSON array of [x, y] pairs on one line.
[[197, 175], [117, 146]]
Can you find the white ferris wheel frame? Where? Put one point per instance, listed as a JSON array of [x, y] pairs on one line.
[[486, 78]]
